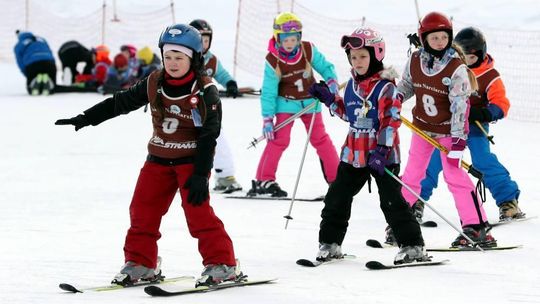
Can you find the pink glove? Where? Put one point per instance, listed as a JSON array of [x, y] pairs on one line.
[[455, 154]]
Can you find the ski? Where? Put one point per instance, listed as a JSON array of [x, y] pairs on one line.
[[73, 289], [495, 224], [157, 291], [315, 263], [376, 244], [429, 224], [459, 249], [376, 265], [314, 199]]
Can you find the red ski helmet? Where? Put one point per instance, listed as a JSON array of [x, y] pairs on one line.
[[434, 22]]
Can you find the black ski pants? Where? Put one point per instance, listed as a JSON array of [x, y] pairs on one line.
[[337, 205]]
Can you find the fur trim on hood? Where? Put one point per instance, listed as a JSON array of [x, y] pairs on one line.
[[389, 73]]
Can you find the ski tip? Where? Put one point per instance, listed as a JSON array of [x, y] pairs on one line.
[[305, 262], [374, 243], [152, 290], [375, 265], [69, 287], [429, 224]]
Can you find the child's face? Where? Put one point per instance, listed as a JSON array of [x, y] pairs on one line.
[[437, 40], [177, 64], [289, 43], [470, 59], [205, 42], [360, 60]]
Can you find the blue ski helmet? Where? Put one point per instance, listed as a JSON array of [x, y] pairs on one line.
[[182, 34]]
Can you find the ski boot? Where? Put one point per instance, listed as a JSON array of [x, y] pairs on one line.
[[509, 211], [34, 85], [478, 234], [409, 254], [329, 252], [227, 185], [418, 211], [132, 273], [390, 238], [216, 274], [47, 86], [266, 187]]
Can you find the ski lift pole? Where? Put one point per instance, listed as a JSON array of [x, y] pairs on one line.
[[288, 216], [470, 169], [255, 141], [432, 208]]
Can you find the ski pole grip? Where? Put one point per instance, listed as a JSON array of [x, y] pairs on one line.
[[475, 172]]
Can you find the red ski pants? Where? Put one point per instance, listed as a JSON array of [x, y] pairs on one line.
[[156, 187]]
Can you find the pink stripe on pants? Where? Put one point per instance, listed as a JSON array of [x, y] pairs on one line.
[[320, 140], [459, 183]]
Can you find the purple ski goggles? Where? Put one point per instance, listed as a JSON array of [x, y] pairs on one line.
[[289, 26]]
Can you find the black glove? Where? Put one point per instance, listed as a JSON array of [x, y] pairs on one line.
[[232, 89], [479, 114], [78, 121], [414, 40], [198, 189]]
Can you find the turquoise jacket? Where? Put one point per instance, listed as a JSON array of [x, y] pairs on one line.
[[271, 103], [221, 75]]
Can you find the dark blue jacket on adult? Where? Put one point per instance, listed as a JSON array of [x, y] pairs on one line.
[[30, 49]]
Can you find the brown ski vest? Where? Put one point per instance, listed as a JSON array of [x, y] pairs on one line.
[[210, 67], [432, 109], [479, 98], [296, 78], [176, 135]]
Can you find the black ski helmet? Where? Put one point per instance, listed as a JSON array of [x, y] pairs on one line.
[[204, 28], [472, 41]]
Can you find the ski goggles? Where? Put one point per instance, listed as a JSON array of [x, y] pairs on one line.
[[289, 26], [348, 42]]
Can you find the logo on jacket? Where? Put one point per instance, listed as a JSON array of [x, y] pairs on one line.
[[209, 72], [175, 109], [446, 81]]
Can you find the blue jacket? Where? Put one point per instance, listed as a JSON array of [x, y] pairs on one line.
[[30, 49]]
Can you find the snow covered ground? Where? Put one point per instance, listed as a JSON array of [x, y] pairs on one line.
[[64, 197]]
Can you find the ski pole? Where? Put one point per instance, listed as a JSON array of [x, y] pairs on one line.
[[470, 169], [255, 141], [489, 137], [432, 208], [288, 216]]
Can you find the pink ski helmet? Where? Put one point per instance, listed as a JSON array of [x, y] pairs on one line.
[[365, 37]]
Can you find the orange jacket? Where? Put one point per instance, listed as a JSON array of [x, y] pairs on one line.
[[496, 92]]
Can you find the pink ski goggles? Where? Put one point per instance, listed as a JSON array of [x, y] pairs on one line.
[[289, 26], [349, 42]]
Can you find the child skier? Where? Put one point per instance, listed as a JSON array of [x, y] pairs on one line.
[[224, 162], [288, 74], [98, 75], [148, 61], [371, 106], [36, 62], [488, 105], [186, 116], [442, 84]]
